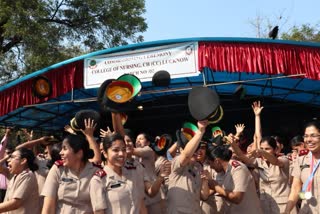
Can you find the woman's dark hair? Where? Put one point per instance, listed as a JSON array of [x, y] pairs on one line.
[[130, 133], [270, 140], [10, 148], [55, 154], [108, 140], [148, 137], [314, 123], [222, 151], [279, 139], [296, 141], [28, 154], [79, 142]]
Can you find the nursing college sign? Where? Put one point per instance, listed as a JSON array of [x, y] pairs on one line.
[[180, 60]]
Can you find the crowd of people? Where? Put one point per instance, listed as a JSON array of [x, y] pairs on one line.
[[120, 173]]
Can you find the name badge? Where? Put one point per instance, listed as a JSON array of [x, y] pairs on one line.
[[115, 185], [68, 180]]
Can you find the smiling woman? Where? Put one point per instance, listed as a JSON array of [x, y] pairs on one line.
[[114, 189], [66, 189], [22, 192], [306, 180]]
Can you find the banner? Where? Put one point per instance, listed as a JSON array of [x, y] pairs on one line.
[[180, 60]]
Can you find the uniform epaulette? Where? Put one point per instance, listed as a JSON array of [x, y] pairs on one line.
[[235, 164], [303, 152], [58, 163], [97, 165], [100, 173]]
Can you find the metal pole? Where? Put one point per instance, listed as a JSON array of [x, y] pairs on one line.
[[222, 83], [93, 99]]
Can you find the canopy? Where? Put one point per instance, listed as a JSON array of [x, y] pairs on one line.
[[286, 72]]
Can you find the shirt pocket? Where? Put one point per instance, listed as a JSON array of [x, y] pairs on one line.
[[67, 189]]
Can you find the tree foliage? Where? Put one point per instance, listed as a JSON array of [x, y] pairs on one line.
[[303, 33], [37, 33]]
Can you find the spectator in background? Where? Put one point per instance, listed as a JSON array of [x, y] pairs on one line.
[[22, 193], [281, 148], [297, 144], [3, 179]]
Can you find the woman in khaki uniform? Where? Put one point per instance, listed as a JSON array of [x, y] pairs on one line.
[[133, 164], [209, 205], [113, 189], [273, 177], [147, 158], [66, 189], [22, 193], [186, 185], [273, 171], [306, 173], [237, 188]]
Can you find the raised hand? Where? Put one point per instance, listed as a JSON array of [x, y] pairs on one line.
[[239, 129], [202, 125], [8, 130], [229, 139], [165, 169], [68, 129], [205, 175], [29, 135], [104, 133], [90, 126], [257, 108]]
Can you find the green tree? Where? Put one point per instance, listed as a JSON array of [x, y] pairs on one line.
[[37, 33], [303, 33]]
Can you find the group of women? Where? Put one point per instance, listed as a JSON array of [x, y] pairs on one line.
[[198, 177]]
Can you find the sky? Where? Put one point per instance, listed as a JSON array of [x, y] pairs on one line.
[[173, 19]]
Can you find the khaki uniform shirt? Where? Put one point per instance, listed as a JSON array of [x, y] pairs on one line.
[[158, 164], [184, 188], [301, 171], [274, 185], [24, 186], [239, 179], [70, 190], [209, 206], [148, 161], [42, 172], [116, 194], [137, 174]]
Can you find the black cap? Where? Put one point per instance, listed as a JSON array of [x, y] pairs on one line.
[[86, 114], [73, 125], [216, 116], [161, 145], [181, 139], [161, 78], [107, 105], [203, 102]]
